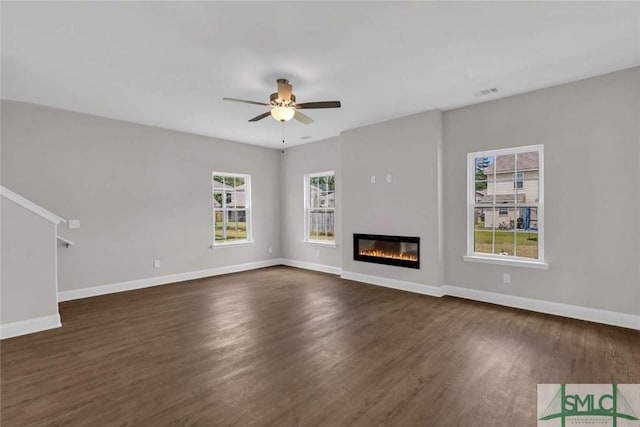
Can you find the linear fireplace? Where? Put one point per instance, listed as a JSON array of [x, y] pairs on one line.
[[402, 251]]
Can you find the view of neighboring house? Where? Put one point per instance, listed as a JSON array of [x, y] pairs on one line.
[[512, 183], [235, 197], [322, 198]]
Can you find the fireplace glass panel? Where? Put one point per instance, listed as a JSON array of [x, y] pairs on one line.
[[392, 250]]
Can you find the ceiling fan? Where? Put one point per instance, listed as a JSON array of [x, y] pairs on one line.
[[284, 107]]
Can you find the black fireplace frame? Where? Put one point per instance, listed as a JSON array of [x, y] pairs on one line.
[[382, 260]]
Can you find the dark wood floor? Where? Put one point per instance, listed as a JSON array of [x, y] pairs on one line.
[[287, 347]]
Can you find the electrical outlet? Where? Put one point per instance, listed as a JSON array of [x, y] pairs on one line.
[[389, 178], [270, 250], [74, 223], [373, 179], [156, 263], [318, 253], [506, 278]]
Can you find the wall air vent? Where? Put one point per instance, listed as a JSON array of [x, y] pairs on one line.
[[486, 92]]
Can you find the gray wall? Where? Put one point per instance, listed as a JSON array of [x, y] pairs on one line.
[[591, 136], [408, 149], [144, 193], [28, 265], [141, 193], [296, 163]]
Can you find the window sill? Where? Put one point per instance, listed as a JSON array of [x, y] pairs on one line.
[[540, 265], [232, 244], [319, 243]]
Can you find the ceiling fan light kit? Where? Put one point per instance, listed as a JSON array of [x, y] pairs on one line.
[[283, 105], [282, 114]]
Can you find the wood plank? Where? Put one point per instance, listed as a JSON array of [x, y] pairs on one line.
[[283, 346]]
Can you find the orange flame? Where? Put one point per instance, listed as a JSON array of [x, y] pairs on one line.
[[388, 254]]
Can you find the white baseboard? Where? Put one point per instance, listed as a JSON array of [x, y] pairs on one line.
[[572, 311], [434, 291], [311, 266], [613, 318], [23, 327], [559, 309], [162, 280]]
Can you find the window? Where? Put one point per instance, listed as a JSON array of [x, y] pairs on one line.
[[319, 207], [518, 180], [506, 207], [231, 208]]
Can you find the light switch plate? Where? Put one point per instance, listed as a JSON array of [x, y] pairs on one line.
[[74, 223]]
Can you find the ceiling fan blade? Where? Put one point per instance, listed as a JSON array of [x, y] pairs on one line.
[[284, 90], [302, 118], [260, 117], [244, 101], [322, 104]]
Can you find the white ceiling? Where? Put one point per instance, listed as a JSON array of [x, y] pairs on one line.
[[169, 64]]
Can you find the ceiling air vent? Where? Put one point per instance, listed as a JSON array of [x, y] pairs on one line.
[[486, 92]]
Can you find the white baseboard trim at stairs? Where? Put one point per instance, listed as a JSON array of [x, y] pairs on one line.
[[23, 327], [163, 280]]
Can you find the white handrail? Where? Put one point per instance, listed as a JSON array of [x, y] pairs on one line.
[[64, 241], [29, 205]]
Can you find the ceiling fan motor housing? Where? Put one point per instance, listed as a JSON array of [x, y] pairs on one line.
[[277, 102]]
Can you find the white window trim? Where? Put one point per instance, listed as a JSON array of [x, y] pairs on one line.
[[249, 240], [306, 239], [321, 242], [497, 259], [233, 244], [510, 262]]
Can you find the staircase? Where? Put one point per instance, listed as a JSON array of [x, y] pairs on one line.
[[28, 260]]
